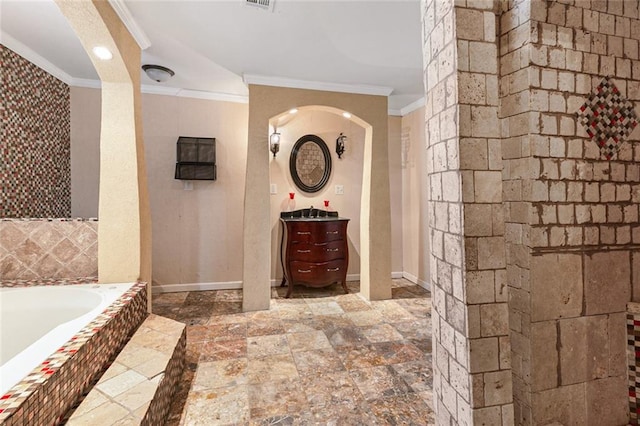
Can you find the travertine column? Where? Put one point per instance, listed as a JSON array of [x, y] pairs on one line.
[[472, 377]]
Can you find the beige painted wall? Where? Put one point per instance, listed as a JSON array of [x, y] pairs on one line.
[[395, 193], [85, 151], [198, 233], [415, 241]]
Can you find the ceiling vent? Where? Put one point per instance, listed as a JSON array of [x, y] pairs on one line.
[[261, 4]]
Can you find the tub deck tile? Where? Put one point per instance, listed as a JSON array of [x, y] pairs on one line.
[[148, 369]]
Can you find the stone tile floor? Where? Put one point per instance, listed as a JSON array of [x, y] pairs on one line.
[[320, 358]]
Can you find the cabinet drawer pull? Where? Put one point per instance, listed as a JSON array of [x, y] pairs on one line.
[[333, 249], [332, 269], [304, 233], [332, 232], [304, 271], [304, 251]]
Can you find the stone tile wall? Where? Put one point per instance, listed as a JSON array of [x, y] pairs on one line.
[[35, 135], [451, 381], [32, 249], [483, 218], [541, 212], [571, 213]]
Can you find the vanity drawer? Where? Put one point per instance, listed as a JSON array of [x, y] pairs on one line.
[[318, 252], [319, 274], [312, 232]]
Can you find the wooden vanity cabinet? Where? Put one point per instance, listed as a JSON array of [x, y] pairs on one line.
[[314, 251]]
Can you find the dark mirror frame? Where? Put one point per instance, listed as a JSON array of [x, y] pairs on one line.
[[327, 162]]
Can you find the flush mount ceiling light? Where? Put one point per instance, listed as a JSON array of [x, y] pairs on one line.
[[102, 52], [158, 73]]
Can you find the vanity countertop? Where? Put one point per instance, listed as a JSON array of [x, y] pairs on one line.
[[312, 219]]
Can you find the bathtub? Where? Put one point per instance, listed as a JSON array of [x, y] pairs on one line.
[[36, 321]]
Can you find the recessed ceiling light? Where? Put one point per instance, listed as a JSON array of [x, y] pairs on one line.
[[346, 114], [293, 110], [102, 53]]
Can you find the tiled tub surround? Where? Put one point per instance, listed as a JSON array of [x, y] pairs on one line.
[[139, 386], [34, 249], [62, 310], [51, 389]]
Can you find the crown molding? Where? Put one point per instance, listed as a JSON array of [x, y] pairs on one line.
[[412, 107], [395, 112], [31, 56], [85, 82], [360, 89], [213, 96], [159, 90], [132, 25]]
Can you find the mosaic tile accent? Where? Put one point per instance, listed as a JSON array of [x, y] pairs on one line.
[[608, 117], [36, 249], [51, 389], [35, 171], [633, 358]]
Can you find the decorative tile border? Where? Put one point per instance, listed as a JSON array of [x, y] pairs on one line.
[[50, 390]]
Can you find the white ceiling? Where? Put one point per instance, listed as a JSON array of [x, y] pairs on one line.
[[212, 44]]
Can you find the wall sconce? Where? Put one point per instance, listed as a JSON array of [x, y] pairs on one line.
[[340, 145], [274, 143]]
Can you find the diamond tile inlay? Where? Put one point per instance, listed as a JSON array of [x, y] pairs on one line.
[[608, 117]]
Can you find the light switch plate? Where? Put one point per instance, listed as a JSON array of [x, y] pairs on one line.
[[339, 189], [187, 185], [274, 188]]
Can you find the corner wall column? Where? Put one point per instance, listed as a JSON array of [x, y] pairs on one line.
[[471, 348], [124, 233]]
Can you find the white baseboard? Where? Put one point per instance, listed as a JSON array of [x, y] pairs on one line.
[[235, 285], [422, 283], [173, 288], [410, 277]]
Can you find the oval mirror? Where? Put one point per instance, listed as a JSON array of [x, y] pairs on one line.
[[310, 163]]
